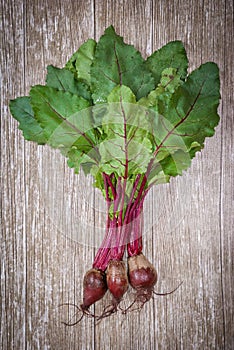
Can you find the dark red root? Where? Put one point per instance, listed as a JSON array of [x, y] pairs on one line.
[[79, 310], [142, 277], [109, 310], [168, 293], [117, 279], [142, 296], [117, 283], [142, 274], [94, 288]]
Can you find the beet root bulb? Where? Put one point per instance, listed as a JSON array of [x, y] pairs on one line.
[[142, 274], [142, 277], [117, 279], [117, 283], [94, 287]]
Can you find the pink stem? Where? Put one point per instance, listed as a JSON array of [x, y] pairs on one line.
[[132, 197], [119, 231], [107, 181], [135, 240]]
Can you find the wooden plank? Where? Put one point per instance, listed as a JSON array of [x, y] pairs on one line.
[[196, 246], [226, 199], [56, 263], [43, 268], [188, 223], [13, 238]]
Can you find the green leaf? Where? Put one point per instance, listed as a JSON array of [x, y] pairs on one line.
[[116, 63], [78, 159], [121, 94], [124, 112], [192, 110], [170, 81], [81, 60], [171, 165], [113, 156], [65, 118], [172, 55], [97, 174], [157, 175], [126, 147], [175, 163], [68, 125], [64, 80], [189, 117], [22, 111]]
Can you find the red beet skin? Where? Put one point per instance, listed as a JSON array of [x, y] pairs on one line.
[[117, 279], [94, 287], [142, 274]]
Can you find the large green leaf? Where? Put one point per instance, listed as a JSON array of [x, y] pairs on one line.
[[81, 60], [78, 159], [192, 110], [172, 55], [169, 82], [22, 111], [116, 63], [127, 147], [63, 79], [187, 119], [64, 117]]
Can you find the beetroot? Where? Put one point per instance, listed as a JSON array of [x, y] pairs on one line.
[[117, 279], [142, 277], [117, 282], [142, 274], [94, 287]]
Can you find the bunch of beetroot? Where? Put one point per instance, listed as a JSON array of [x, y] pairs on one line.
[[109, 271], [131, 124], [141, 275]]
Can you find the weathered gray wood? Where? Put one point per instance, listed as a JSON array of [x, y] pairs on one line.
[[188, 223]]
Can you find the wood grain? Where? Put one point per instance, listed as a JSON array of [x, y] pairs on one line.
[[188, 223]]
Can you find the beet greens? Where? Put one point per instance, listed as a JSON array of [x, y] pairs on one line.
[[130, 123]]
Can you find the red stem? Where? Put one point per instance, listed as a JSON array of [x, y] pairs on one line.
[[119, 231], [135, 240], [139, 199], [132, 197], [107, 181]]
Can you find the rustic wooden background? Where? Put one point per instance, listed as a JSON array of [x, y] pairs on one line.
[[189, 223]]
